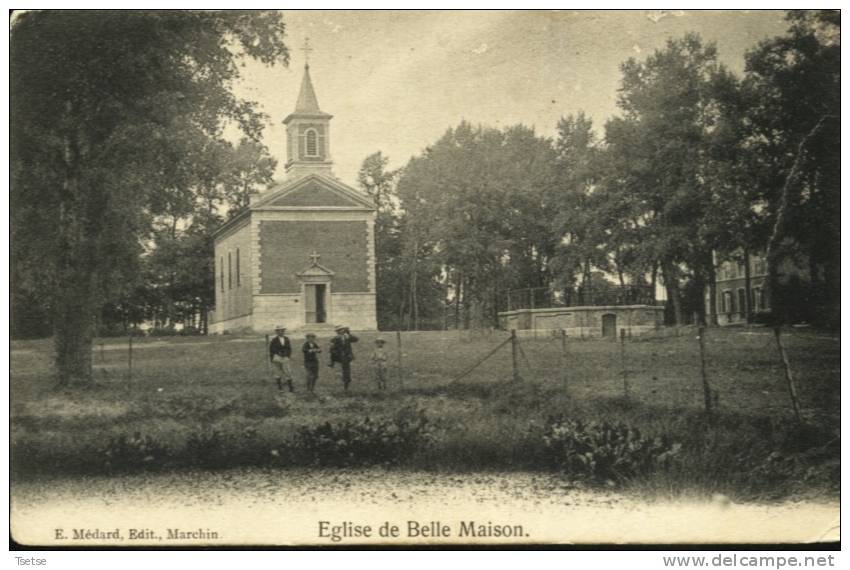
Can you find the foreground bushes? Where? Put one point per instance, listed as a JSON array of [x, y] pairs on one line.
[[365, 442], [606, 452], [668, 454]]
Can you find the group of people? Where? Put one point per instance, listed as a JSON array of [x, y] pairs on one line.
[[341, 352]]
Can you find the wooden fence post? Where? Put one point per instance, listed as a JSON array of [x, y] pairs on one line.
[[623, 362], [564, 358], [514, 356], [267, 359], [398, 347], [789, 377], [130, 361], [705, 387]]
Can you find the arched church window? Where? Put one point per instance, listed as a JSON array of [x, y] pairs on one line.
[[312, 143]]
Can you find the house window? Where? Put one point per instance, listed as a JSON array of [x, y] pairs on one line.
[[221, 265], [312, 143], [757, 299], [229, 272], [728, 302], [238, 279], [742, 301]]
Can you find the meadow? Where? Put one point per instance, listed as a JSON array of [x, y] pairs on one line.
[[210, 403]]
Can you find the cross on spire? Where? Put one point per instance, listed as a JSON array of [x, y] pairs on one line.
[[306, 49], [314, 257]]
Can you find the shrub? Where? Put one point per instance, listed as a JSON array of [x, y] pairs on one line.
[[124, 453], [363, 442], [211, 449], [605, 452]]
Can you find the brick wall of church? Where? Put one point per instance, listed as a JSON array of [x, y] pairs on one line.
[[286, 245], [233, 275]]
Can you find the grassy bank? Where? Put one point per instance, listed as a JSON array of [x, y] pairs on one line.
[[209, 403]]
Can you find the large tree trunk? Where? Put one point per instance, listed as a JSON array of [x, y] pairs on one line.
[[74, 332], [74, 293], [671, 282], [466, 304]]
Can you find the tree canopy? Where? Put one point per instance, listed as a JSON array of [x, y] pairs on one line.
[[116, 116]]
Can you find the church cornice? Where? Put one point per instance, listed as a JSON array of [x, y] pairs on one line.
[[233, 224], [313, 209], [307, 117], [365, 204]]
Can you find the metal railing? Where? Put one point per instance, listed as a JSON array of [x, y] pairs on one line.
[[613, 295]]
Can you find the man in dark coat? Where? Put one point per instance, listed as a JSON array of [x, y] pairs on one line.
[[341, 352], [280, 351], [311, 352]]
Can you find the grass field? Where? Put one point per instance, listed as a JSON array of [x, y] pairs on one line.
[[210, 402]]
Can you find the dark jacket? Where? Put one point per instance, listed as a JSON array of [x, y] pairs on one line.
[[276, 347], [341, 349], [311, 352]]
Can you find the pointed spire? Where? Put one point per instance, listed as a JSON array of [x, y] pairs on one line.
[[307, 102]]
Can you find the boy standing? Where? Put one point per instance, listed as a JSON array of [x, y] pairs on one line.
[[311, 361], [379, 359], [280, 350]]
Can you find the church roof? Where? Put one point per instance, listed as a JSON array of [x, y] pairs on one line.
[[322, 187], [307, 103]]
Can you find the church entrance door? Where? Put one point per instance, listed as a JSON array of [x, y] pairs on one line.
[[315, 303]]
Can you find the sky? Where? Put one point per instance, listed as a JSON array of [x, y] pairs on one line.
[[395, 81]]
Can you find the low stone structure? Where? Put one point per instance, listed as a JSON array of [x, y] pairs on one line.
[[588, 321]]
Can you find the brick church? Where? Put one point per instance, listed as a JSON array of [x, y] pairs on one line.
[[303, 252]]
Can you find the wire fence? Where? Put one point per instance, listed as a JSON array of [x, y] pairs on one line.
[[676, 366]]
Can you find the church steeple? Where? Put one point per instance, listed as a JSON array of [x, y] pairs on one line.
[[307, 132], [307, 102]]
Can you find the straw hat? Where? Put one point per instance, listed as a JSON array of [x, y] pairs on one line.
[[279, 328]]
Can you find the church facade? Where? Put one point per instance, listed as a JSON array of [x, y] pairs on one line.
[[303, 252]]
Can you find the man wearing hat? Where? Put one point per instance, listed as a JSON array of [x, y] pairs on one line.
[[280, 351], [341, 352], [311, 352]]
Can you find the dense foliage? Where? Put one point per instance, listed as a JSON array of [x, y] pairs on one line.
[[117, 126], [699, 166]]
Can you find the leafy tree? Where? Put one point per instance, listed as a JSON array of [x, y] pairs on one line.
[[110, 112], [180, 265], [658, 153], [392, 268], [794, 124], [478, 210], [577, 224]]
